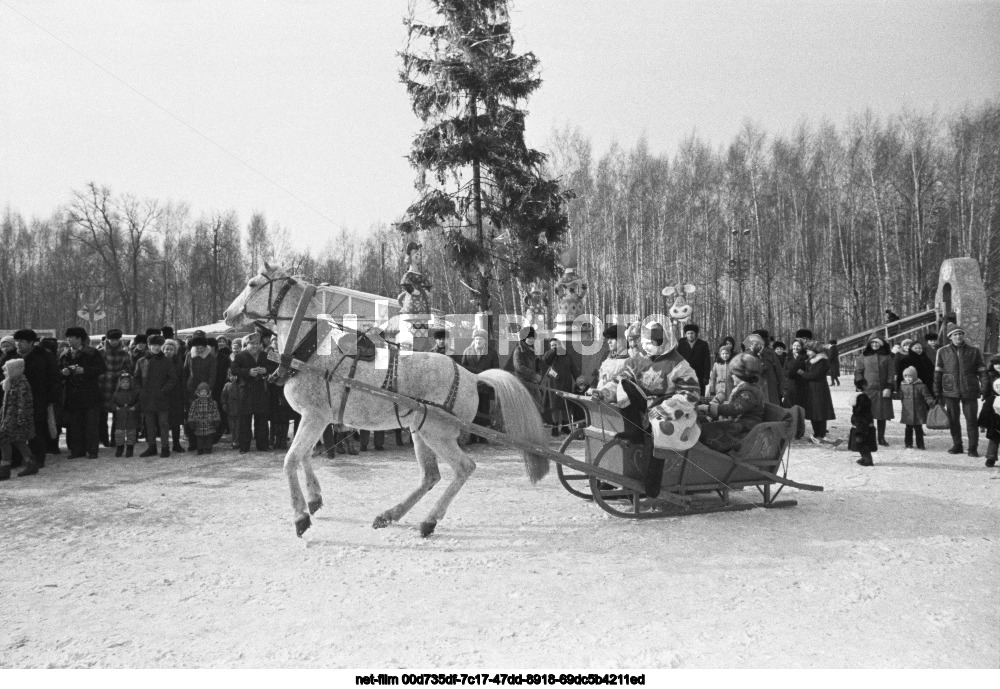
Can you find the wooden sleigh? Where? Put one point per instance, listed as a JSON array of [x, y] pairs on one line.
[[696, 481]]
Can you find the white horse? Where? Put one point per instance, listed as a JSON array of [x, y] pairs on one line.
[[273, 297]]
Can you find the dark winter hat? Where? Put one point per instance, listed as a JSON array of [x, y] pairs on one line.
[[199, 341], [779, 344], [745, 367], [440, 333], [152, 331], [411, 247], [140, 339], [931, 336], [167, 332], [212, 342], [77, 331], [764, 334], [691, 327], [114, 334], [199, 333], [803, 334], [615, 331], [157, 340], [525, 332], [26, 334]]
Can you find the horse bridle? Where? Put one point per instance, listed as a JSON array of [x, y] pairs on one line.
[[273, 303]]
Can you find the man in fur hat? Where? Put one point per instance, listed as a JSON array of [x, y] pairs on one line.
[[960, 379], [696, 352], [81, 368], [440, 337]]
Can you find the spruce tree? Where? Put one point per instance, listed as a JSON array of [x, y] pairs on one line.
[[479, 184]]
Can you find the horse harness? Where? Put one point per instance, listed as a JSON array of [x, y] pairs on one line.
[[363, 349]]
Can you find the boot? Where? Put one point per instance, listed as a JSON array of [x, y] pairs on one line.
[[990, 462], [165, 452], [654, 468], [973, 452], [128, 450], [956, 450], [30, 469], [150, 451], [866, 462], [120, 451], [882, 442], [920, 445], [177, 448]]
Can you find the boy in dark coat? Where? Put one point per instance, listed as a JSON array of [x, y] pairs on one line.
[[917, 399], [156, 377], [125, 409], [863, 435]]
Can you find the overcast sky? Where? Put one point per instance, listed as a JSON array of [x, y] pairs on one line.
[[294, 107]]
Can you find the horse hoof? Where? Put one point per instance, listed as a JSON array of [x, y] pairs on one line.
[[302, 524], [381, 522], [427, 528], [314, 505]]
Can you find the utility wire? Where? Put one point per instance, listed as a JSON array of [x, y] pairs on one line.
[[173, 115]]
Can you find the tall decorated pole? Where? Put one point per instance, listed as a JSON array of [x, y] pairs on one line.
[[479, 184]]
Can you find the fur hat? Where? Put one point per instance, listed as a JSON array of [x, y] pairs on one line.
[[745, 367], [114, 334], [199, 333], [803, 334], [140, 339], [212, 342], [77, 331], [26, 334], [653, 331], [752, 338], [812, 345], [153, 331], [525, 332], [931, 336], [479, 332], [615, 331], [199, 341], [440, 333], [910, 371], [167, 332], [156, 340], [766, 336], [779, 343], [692, 327]]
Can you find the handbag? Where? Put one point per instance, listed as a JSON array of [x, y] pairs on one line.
[[937, 418]]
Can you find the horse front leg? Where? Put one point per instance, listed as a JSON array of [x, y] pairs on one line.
[[310, 428], [430, 476]]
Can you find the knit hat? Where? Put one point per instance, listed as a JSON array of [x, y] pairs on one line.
[[156, 340], [114, 334], [7, 340], [13, 369], [27, 334], [140, 339], [803, 334], [479, 332], [199, 341], [910, 371], [692, 327], [952, 329], [906, 341], [745, 367], [525, 332]]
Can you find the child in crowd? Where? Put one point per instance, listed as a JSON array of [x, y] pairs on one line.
[[17, 424], [989, 417], [720, 382], [863, 436], [203, 418], [740, 412], [917, 399], [125, 404], [230, 406]]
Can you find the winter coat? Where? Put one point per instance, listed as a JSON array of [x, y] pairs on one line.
[[863, 436], [231, 398], [772, 376], [917, 400], [924, 366], [16, 414], [833, 351], [525, 363], [156, 378], [477, 363], [198, 370], [566, 373], [874, 373], [203, 416], [989, 420], [137, 355], [253, 395], [745, 409], [178, 395], [720, 382], [116, 361], [795, 389], [223, 360], [127, 412], [816, 391], [43, 376], [700, 358], [83, 391], [959, 372]]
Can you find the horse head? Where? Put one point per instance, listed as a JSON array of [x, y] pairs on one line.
[[257, 300]]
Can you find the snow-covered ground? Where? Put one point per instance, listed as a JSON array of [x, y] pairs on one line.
[[193, 562]]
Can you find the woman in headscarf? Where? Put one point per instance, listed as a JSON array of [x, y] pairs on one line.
[[875, 375]]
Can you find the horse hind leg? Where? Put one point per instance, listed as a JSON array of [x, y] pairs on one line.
[[310, 429], [444, 441], [430, 476]]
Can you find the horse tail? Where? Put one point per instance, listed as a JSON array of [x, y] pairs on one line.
[[520, 417]]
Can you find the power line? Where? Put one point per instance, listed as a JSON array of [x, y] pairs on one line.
[[174, 116]]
